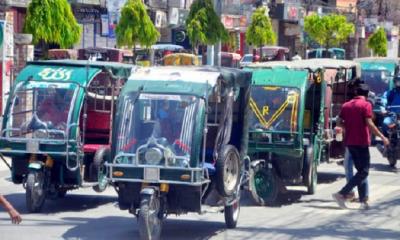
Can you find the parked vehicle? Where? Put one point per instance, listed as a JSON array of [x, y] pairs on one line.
[[179, 144], [336, 53], [106, 54], [181, 59], [286, 135], [273, 53], [55, 54], [246, 60], [231, 60], [155, 54], [393, 150], [56, 126]]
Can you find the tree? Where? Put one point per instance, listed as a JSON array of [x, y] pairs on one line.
[[377, 42], [260, 31], [135, 26], [52, 21], [203, 25], [329, 30]]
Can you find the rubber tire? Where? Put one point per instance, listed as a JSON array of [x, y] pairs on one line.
[[312, 186], [310, 176], [273, 197], [61, 193], [231, 214], [100, 157], [34, 203], [391, 156], [227, 150], [144, 222]]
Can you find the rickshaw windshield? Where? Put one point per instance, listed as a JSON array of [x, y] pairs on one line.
[[274, 109], [40, 110], [160, 124], [377, 80]]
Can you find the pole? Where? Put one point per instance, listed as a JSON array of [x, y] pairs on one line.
[[217, 47]]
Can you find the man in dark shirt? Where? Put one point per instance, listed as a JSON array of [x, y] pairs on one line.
[[356, 117]]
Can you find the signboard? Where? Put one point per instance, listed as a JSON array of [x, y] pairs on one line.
[[234, 21], [104, 25], [177, 16], [113, 18], [346, 4]]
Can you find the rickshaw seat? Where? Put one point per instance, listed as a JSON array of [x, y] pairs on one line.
[[97, 125], [92, 148]]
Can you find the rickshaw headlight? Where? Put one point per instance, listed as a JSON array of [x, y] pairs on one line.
[[153, 156]]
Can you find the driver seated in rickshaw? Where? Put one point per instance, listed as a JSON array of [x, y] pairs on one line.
[[164, 126], [53, 110]]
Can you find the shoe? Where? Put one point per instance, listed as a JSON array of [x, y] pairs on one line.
[[364, 205], [351, 197], [340, 199]]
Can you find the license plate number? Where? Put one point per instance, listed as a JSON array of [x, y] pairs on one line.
[[151, 174]]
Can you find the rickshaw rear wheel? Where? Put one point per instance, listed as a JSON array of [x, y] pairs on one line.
[[149, 217], [264, 185], [228, 170], [35, 192], [98, 170], [232, 214]]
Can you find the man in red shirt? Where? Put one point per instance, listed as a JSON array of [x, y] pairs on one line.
[[356, 118]]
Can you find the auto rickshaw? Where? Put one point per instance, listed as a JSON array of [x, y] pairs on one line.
[[181, 59], [286, 137], [56, 126], [56, 54], [179, 144], [154, 55], [378, 73], [336, 53], [338, 75]]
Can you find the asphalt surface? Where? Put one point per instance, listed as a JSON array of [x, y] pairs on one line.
[[84, 214]]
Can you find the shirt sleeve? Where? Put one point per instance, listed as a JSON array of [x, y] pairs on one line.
[[368, 110]]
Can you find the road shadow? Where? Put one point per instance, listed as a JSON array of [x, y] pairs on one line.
[[70, 203], [329, 177], [383, 168], [127, 228]]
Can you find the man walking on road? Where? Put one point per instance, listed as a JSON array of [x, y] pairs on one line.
[[356, 117]]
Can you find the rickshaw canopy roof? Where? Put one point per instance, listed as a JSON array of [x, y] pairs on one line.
[[281, 76], [379, 63], [235, 56], [184, 80], [171, 47], [313, 64], [74, 71]]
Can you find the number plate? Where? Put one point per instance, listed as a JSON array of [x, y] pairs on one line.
[[151, 174], [32, 146]]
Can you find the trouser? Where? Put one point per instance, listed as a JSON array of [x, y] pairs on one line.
[[348, 169], [361, 159]]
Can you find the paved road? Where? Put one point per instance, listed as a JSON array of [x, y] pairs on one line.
[[84, 214]]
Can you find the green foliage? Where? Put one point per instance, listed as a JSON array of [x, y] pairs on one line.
[[330, 30], [203, 24], [377, 42], [135, 26], [52, 21], [232, 42], [260, 31]]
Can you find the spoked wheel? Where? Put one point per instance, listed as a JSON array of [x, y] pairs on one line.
[[264, 185], [149, 218], [232, 214], [228, 170], [35, 192], [98, 170]]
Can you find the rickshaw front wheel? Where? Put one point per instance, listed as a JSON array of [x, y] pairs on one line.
[[149, 217], [228, 170], [35, 192], [232, 214]]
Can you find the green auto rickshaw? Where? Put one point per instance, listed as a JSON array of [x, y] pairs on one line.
[[286, 134], [56, 126], [179, 144]]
